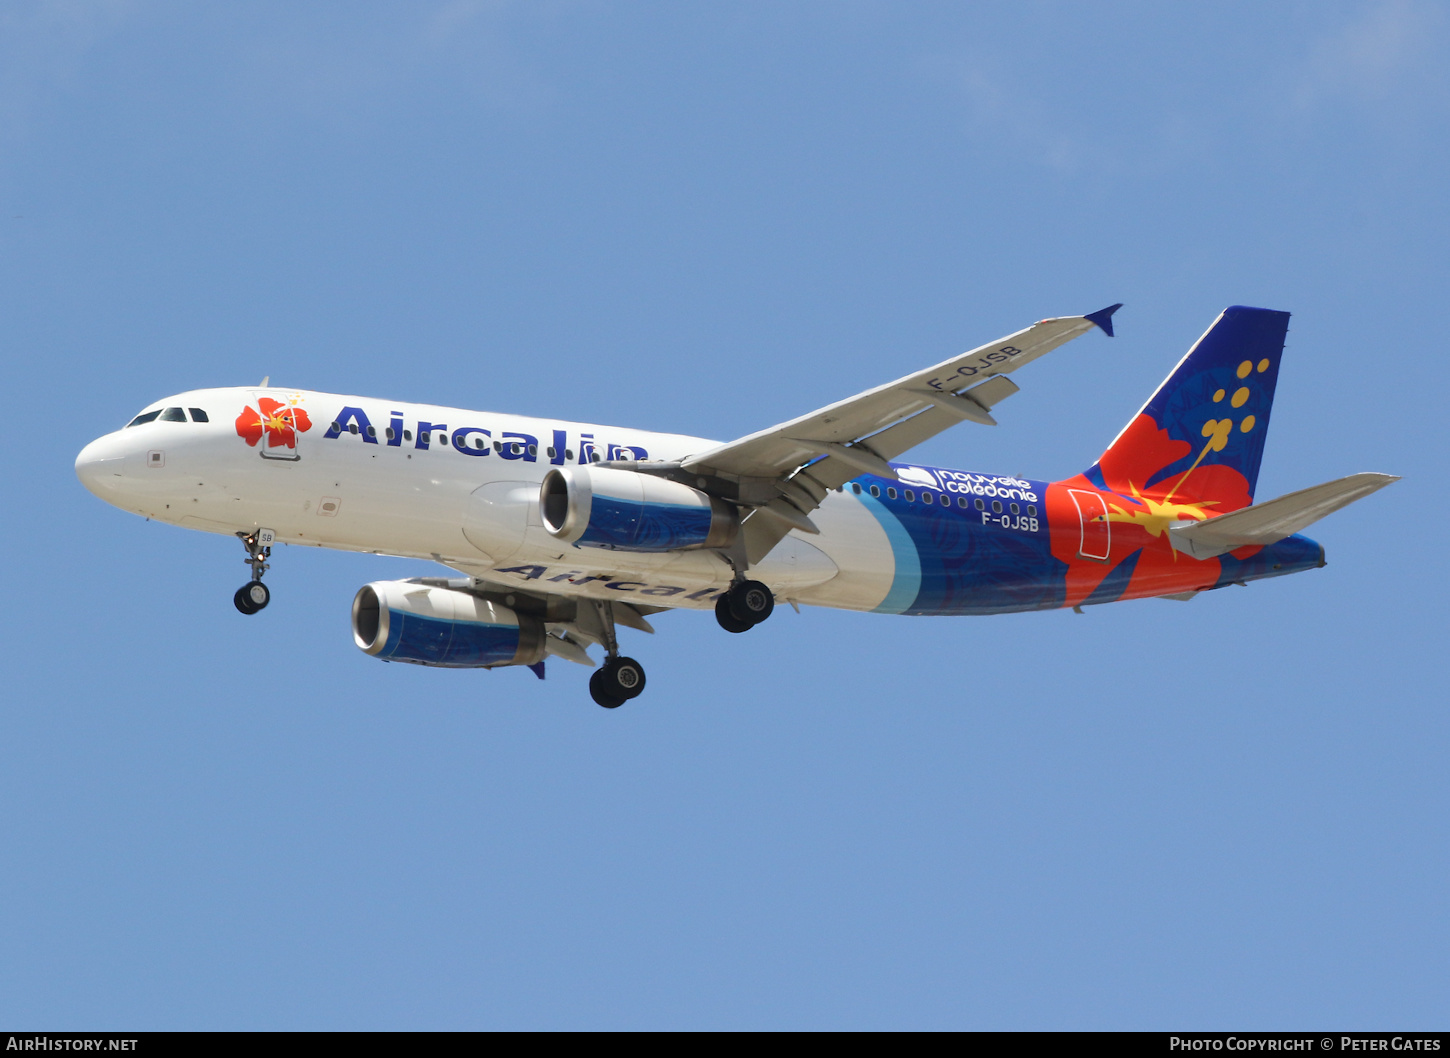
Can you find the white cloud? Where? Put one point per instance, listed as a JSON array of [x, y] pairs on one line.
[[270, 66], [1024, 121], [1003, 108], [323, 69], [42, 45], [1383, 52]]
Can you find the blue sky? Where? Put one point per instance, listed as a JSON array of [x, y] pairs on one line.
[[710, 218]]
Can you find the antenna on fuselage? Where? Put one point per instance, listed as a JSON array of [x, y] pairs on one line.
[[265, 380]]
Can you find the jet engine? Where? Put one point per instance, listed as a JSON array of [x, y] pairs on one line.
[[399, 620], [625, 511]]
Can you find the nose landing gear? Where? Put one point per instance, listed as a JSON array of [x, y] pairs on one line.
[[254, 596]]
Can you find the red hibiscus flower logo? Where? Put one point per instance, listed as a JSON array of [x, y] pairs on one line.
[[281, 423]]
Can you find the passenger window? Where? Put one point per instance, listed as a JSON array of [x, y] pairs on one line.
[[478, 443], [146, 417], [1015, 508], [550, 450], [372, 431], [407, 435], [961, 501], [926, 497], [996, 506], [890, 493], [910, 496], [1031, 511], [533, 450], [197, 415], [498, 446], [876, 490], [173, 415], [856, 488], [352, 428], [981, 506], [388, 433]]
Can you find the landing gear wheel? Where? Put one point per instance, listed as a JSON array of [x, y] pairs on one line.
[[728, 620], [598, 693], [621, 678], [750, 601], [252, 597]]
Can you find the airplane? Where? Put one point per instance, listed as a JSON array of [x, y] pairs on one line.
[[565, 531]]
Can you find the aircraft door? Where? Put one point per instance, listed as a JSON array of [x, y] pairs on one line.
[[281, 428], [1092, 514]]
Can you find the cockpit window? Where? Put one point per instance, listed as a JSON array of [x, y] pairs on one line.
[[144, 417], [197, 415], [173, 415]]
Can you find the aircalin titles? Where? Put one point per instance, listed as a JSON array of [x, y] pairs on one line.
[[477, 440]]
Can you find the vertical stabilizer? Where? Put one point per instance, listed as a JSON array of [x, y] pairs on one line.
[[1200, 437]]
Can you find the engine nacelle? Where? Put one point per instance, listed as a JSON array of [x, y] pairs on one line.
[[625, 511], [399, 620]]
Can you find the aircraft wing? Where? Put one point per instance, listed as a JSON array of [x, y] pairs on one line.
[[801, 460]]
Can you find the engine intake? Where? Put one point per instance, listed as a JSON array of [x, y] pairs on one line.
[[399, 620], [625, 511]]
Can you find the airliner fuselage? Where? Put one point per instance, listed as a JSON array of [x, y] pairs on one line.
[[562, 529]]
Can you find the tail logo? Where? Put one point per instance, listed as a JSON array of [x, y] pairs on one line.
[[1218, 431], [1159, 515]]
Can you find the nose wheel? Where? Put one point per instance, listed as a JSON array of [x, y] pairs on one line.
[[744, 605], [254, 596]]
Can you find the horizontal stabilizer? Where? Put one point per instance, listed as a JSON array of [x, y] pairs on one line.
[[1267, 523]]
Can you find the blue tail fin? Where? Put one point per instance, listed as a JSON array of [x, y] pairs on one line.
[[1200, 437]]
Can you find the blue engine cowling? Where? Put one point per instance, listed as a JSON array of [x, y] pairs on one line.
[[626, 511], [399, 620]]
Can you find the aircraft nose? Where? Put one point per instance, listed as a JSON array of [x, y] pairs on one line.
[[99, 466]]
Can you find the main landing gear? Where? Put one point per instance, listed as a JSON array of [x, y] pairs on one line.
[[744, 605], [619, 679], [616, 681], [253, 595]]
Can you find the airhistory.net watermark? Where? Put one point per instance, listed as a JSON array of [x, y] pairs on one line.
[[70, 1043]]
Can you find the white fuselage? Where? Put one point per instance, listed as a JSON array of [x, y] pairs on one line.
[[454, 486]]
